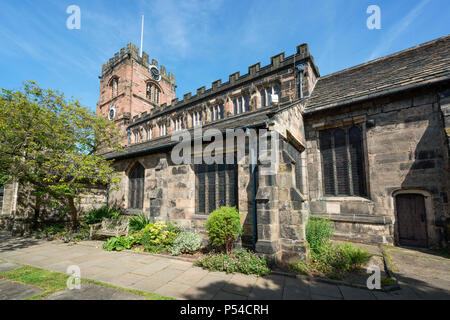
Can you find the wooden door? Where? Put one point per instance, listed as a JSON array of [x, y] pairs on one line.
[[411, 220]]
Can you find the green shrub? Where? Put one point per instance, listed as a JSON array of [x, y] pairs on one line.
[[333, 261], [97, 215], [138, 223], [156, 237], [186, 242], [121, 243], [223, 226], [53, 230], [241, 261], [318, 233]]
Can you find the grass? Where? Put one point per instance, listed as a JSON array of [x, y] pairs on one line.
[[52, 282]]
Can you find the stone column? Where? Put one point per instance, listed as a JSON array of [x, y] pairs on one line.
[[282, 213]]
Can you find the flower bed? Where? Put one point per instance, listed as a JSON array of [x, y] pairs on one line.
[[241, 261], [328, 259]]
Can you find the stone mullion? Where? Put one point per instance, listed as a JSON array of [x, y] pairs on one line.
[[349, 161], [216, 185], [227, 187], [336, 191], [206, 190]]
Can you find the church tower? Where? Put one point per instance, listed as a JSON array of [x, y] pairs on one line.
[[130, 86]]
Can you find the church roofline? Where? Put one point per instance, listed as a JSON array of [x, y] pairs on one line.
[[255, 71]]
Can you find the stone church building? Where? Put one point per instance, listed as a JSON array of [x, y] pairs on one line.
[[366, 147]]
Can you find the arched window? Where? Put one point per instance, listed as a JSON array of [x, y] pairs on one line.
[[241, 105], [136, 187], [152, 93], [149, 133], [114, 84], [269, 95]]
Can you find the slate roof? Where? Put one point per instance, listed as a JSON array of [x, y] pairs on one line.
[[421, 65], [251, 119]]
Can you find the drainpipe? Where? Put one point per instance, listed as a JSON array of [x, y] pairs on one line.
[[300, 68], [253, 181]]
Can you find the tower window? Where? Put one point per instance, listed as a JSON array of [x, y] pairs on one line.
[[114, 87], [152, 93]]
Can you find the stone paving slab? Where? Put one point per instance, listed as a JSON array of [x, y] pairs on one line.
[[94, 292], [10, 290], [8, 266], [182, 280]]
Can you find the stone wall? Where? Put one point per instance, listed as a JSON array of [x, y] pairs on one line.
[[404, 150], [18, 213], [282, 211]]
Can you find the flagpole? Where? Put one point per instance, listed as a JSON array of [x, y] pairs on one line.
[[142, 36]]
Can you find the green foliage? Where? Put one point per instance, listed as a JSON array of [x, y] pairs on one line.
[[334, 261], [241, 261], [329, 259], [97, 215], [121, 243], [186, 242], [156, 237], [53, 230], [138, 222], [223, 226], [3, 179], [54, 144], [318, 233]]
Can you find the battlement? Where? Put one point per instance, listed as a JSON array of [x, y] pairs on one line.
[[255, 71], [132, 52]]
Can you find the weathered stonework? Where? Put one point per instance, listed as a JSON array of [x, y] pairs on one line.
[[405, 151], [402, 112]]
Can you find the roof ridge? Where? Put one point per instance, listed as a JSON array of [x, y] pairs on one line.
[[419, 46]]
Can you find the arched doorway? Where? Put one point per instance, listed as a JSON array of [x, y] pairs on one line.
[[136, 187], [411, 220]]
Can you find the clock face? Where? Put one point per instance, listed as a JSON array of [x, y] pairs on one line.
[[112, 113], [154, 72]]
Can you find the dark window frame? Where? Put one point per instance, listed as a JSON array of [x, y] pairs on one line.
[[216, 185], [136, 187], [343, 160]]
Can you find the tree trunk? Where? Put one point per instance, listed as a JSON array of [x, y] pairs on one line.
[[73, 212]]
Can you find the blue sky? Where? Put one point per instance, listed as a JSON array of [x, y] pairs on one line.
[[201, 41]]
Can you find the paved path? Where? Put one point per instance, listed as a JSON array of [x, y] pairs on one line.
[[171, 277], [421, 273]]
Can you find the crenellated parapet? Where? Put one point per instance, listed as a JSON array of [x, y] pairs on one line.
[[131, 51], [280, 72]]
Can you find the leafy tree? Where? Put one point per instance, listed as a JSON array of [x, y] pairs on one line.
[[54, 144]]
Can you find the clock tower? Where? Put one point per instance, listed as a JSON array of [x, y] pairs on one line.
[[130, 85]]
